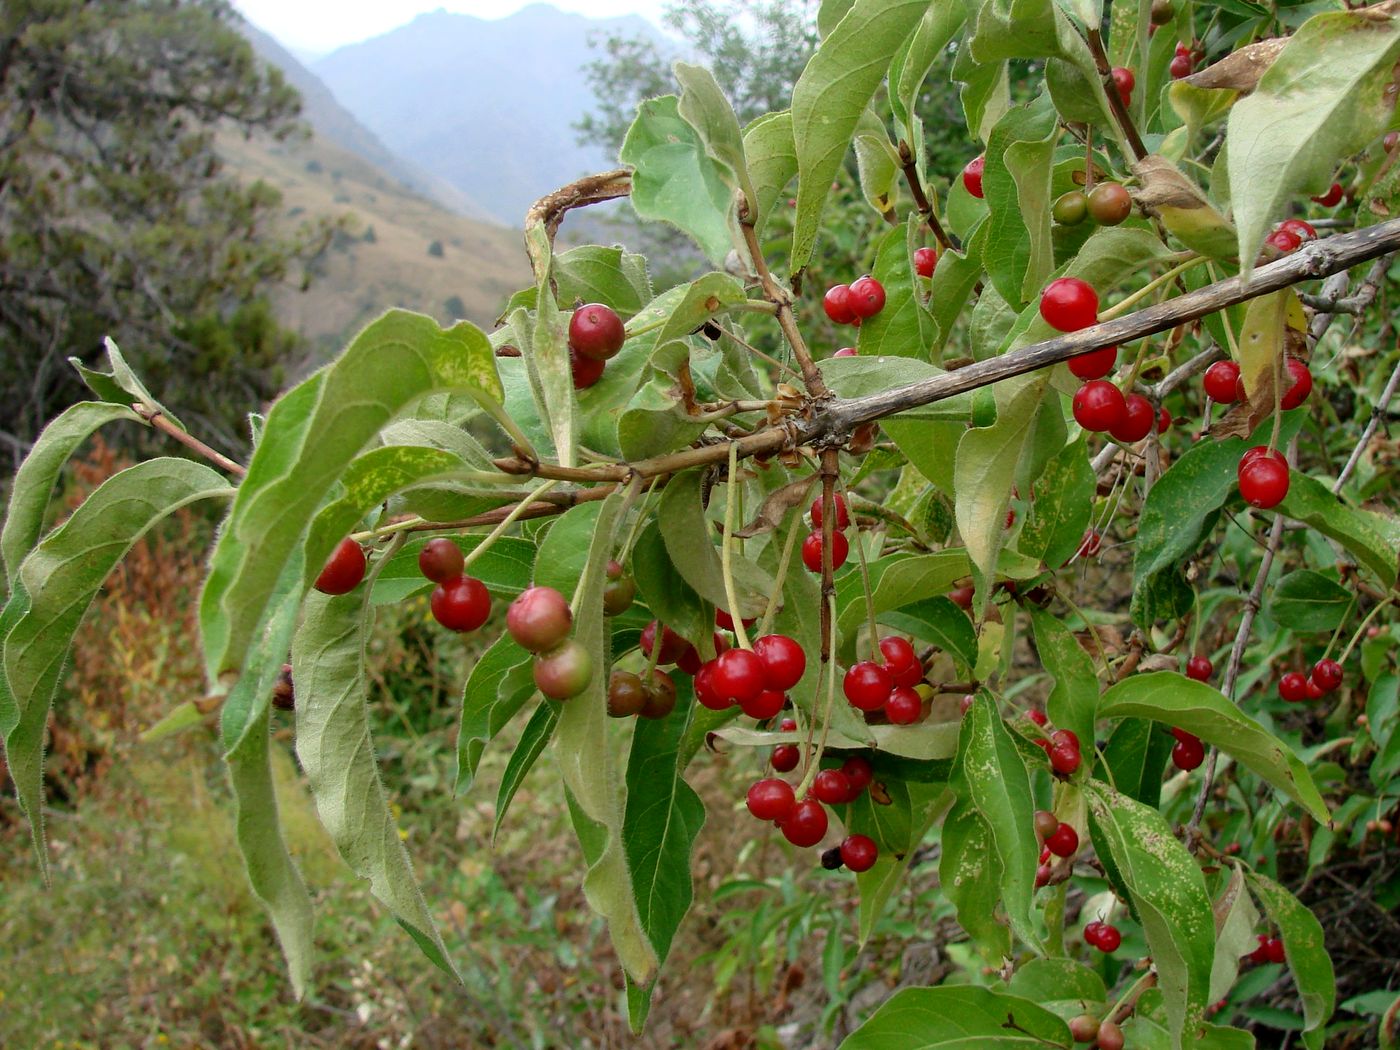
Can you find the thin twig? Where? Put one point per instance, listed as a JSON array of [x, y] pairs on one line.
[[921, 201], [158, 420], [1382, 404], [782, 299]]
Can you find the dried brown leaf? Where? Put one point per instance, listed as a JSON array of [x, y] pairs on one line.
[[1240, 70]]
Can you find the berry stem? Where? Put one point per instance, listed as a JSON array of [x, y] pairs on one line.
[[1150, 287], [1128, 1000], [814, 755], [157, 419], [1055, 918], [1382, 405], [506, 522], [865, 589], [727, 544], [1115, 102], [831, 464], [921, 200], [782, 300], [765, 625], [1361, 630]]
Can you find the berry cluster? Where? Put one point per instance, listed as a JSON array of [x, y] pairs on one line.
[[888, 686], [1325, 677], [652, 696], [1290, 234], [1102, 935], [804, 822], [459, 602], [840, 546], [1058, 839], [1108, 204], [1062, 746], [855, 302], [595, 335], [540, 620], [1270, 950], [1183, 62]]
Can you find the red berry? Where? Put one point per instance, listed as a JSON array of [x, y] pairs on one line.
[[1038, 717], [770, 799], [1090, 544], [1262, 450], [440, 560], [784, 758], [1284, 240], [1164, 420], [962, 596], [842, 515], [1260, 954], [585, 370], [1188, 754], [1303, 230], [1095, 364], [565, 672], [1298, 384], [1293, 687], [1200, 668], [904, 707], [1182, 66], [738, 675], [831, 786], [784, 662], [1109, 939], [1068, 304], [539, 619], [859, 772], [898, 654], [1327, 674], [705, 690], [972, 176], [1064, 842], [866, 296], [1220, 381], [619, 591], [847, 351], [787, 725], [1137, 420], [344, 569], [1124, 81], [725, 622], [1332, 197], [1099, 406], [1065, 738], [596, 331], [1042, 876], [1264, 483], [858, 852], [806, 824], [462, 604], [867, 685], [1315, 691], [660, 693], [1273, 948], [1091, 933], [812, 551], [765, 705], [837, 304], [673, 646], [925, 260]]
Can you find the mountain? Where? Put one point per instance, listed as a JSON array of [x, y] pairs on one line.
[[484, 104]]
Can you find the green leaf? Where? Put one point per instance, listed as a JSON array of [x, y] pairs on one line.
[[120, 386], [689, 540], [534, 738], [177, 720], [1198, 708], [337, 753], [994, 848], [857, 376], [672, 600], [587, 765], [1168, 893], [772, 161], [877, 164], [52, 589], [1326, 96], [1361, 532], [925, 742], [829, 97], [1309, 601], [939, 622], [1306, 951], [258, 829], [1136, 754], [703, 106], [1019, 254], [1180, 510], [543, 342], [957, 1017], [566, 548], [1072, 703], [312, 434], [673, 178], [1235, 922], [927, 804], [1061, 509], [1057, 980], [913, 63], [898, 329], [895, 581], [592, 273], [953, 281], [39, 474], [497, 688]]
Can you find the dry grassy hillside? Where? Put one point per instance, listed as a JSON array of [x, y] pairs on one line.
[[398, 250]]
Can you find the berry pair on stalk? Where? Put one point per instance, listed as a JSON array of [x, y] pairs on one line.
[[853, 303], [840, 546], [596, 334], [888, 686], [804, 822], [1325, 677], [756, 680], [459, 602], [541, 621], [1222, 383], [1108, 204]]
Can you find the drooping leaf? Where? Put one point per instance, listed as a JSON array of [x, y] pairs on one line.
[[534, 738], [1305, 948], [1306, 600], [497, 688], [956, 1017], [1062, 506], [1016, 179], [703, 106], [772, 160], [689, 541], [1361, 532], [1235, 921], [664, 589], [1075, 698], [913, 63], [927, 804]]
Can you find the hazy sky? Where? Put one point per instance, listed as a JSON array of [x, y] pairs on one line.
[[322, 25]]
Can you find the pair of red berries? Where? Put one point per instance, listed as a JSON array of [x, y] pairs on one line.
[[459, 602], [804, 823], [540, 620], [925, 261], [755, 679], [1270, 950], [840, 546], [1183, 62], [1188, 752], [1325, 677], [1062, 746], [1263, 477], [1290, 235], [888, 686], [853, 303], [1124, 81], [1222, 383], [1103, 935], [596, 334], [1058, 838], [1100, 406]]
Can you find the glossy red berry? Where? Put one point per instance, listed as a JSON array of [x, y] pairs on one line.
[[925, 261], [972, 176], [843, 516], [962, 596], [866, 296], [765, 705], [1038, 717], [898, 654], [1109, 939], [1332, 197], [539, 619], [1302, 230], [1263, 483], [859, 772], [596, 331], [738, 675], [859, 852], [1064, 760], [1064, 842], [867, 685], [1124, 81], [1068, 304], [1220, 381], [784, 662], [903, 706], [585, 370], [1262, 450], [660, 693], [705, 691], [1042, 876], [1273, 950], [673, 646], [1095, 364], [462, 604], [343, 570], [1099, 406], [831, 786], [784, 758], [565, 672], [1091, 933], [1188, 753], [806, 824], [1110, 1037], [1090, 545], [1260, 955], [1200, 668], [1315, 691], [440, 560], [788, 725], [1164, 420], [812, 551], [837, 304], [1181, 66], [1327, 674], [1293, 687], [1065, 738], [1298, 384], [770, 799], [1137, 421]]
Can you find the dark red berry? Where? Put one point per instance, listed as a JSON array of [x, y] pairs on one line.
[[1200, 668], [904, 707], [1110, 1037], [1293, 687], [1091, 933], [1042, 876], [596, 331], [925, 261], [1301, 229], [831, 786], [440, 560], [1038, 717], [565, 672], [1137, 421], [806, 824], [1263, 483], [1068, 304], [867, 685], [1064, 842], [660, 692], [1064, 760], [1262, 450], [539, 619], [585, 370], [1285, 241], [1332, 197], [1095, 364], [1315, 691], [1220, 381], [1182, 66], [1090, 545], [898, 654], [1065, 738], [812, 551], [784, 758], [765, 705], [787, 725], [626, 697], [1327, 674], [1124, 81], [866, 296], [1099, 406], [619, 592], [462, 604], [1084, 1028], [962, 596], [705, 690], [1164, 420], [1109, 203], [858, 852], [784, 662], [859, 772], [1109, 939], [1298, 383], [837, 304], [843, 516], [1260, 955], [1273, 948], [344, 570], [1188, 754], [770, 799], [972, 176], [672, 644]]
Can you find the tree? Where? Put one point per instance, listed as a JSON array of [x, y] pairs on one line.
[[116, 216], [842, 557]]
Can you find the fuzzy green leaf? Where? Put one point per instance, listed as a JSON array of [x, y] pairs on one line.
[[497, 688], [956, 1017], [1306, 951]]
